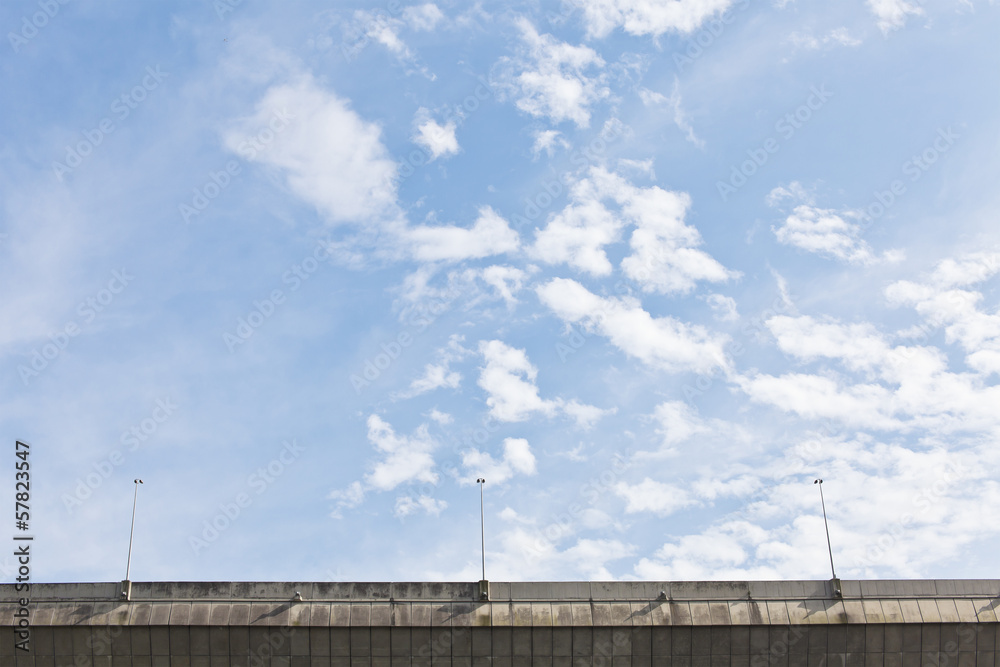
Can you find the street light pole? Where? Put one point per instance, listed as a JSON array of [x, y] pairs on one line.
[[135, 497], [484, 585], [827, 525]]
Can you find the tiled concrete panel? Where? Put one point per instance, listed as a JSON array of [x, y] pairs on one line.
[[621, 613], [874, 638], [739, 640], [797, 612], [520, 641], [621, 641], [660, 640], [777, 612], [700, 613], [930, 637], [481, 615], [680, 613], [987, 611], [340, 641], [760, 639], [501, 614], [701, 640], [379, 639], [601, 612], [581, 614], [541, 614], [420, 642], [361, 614], [891, 611], [420, 615], [929, 611], [199, 640], [482, 642], [562, 642], [680, 641], [911, 611], [521, 614], [758, 613], [159, 640], [218, 640], [722, 640], [719, 612], [541, 641], [739, 612], [239, 615], [659, 614], [461, 614], [399, 615], [855, 612], [583, 641], [502, 641], [441, 641], [640, 612]]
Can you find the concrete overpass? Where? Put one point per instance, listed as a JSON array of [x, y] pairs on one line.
[[568, 624]]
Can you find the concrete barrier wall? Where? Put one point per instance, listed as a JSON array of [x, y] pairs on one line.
[[578, 624]]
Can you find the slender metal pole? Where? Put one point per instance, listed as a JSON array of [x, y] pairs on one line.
[[827, 525], [135, 497], [482, 521]]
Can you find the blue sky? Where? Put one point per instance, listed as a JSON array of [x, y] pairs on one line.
[[650, 269]]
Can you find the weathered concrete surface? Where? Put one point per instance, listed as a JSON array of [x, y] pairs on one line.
[[619, 624]]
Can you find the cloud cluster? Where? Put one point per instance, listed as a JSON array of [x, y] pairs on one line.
[[647, 17], [509, 377], [550, 79], [828, 232], [665, 256], [664, 343]]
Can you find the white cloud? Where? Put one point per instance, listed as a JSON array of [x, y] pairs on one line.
[[436, 138], [405, 506], [406, 459], [403, 460], [647, 17], [330, 156], [652, 496], [664, 255], [549, 79], [824, 231], [548, 141], [859, 346], [442, 418], [489, 235], [576, 236], [652, 98], [517, 459], [942, 303], [423, 17], [436, 376], [838, 36], [506, 280], [663, 342], [892, 511], [509, 380], [892, 14], [678, 422], [724, 307]]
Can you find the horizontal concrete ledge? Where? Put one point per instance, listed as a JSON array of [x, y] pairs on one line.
[[520, 604], [608, 591]]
